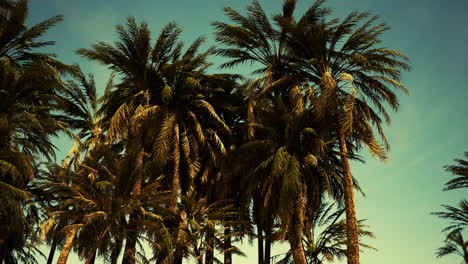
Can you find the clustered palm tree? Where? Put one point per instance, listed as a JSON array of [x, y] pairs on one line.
[[455, 243], [185, 162]]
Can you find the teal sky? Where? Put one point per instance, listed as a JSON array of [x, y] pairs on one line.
[[428, 132]]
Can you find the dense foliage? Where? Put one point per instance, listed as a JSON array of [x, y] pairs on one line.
[[184, 162]]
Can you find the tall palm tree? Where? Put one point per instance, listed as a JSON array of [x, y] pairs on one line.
[[168, 89], [354, 79], [253, 39], [30, 82], [281, 123], [26, 126], [455, 244]]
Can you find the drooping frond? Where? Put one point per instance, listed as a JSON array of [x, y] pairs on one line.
[[460, 172]]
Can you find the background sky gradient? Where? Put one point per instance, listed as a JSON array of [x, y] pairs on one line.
[[428, 132]]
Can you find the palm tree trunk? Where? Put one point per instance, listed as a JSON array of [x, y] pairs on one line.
[[71, 234], [178, 250], [175, 178], [295, 232], [352, 242], [227, 245], [50, 258], [260, 243], [209, 255], [132, 231], [268, 241]]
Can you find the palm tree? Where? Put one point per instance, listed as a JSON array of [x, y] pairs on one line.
[[354, 78], [94, 207], [26, 126], [458, 216], [168, 89], [30, 82], [253, 39], [455, 244], [289, 143]]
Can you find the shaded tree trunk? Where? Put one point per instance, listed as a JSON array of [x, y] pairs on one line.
[[50, 258], [268, 241], [209, 255], [175, 178], [132, 228], [67, 246], [260, 243], [352, 242], [227, 245], [178, 250], [295, 233]]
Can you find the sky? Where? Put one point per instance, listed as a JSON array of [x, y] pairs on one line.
[[427, 132]]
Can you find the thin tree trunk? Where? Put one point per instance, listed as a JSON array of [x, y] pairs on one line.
[[295, 233], [178, 249], [175, 177], [209, 255], [71, 234], [268, 241], [260, 243], [132, 230], [352, 242], [50, 258], [227, 245]]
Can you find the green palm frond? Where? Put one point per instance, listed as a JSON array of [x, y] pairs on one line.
[[460, 172]]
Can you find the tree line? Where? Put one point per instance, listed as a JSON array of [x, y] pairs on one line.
[[184, 162]]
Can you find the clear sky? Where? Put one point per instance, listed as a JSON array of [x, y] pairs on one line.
[[429, 130]]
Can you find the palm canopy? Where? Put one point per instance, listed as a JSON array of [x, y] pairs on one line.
[[97, 201], [167, 86], [18, 42], [353, 76]]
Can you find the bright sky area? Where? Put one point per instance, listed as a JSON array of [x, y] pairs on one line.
[[428, 132]]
